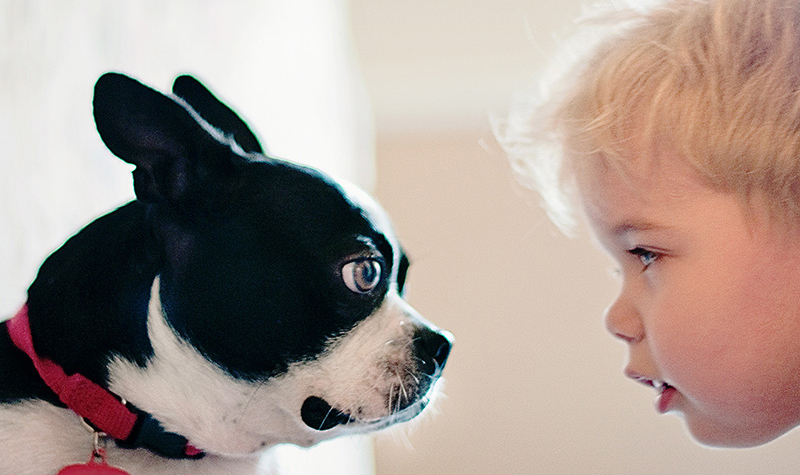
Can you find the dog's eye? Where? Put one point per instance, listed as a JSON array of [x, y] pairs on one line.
[[362, 275]]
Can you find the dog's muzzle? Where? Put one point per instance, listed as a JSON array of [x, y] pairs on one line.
[[430, 350]]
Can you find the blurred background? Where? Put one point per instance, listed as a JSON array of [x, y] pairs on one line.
[[396, 96], [534, 383]]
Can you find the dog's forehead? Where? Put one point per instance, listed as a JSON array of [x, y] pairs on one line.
[[330, 205], [372, 211]]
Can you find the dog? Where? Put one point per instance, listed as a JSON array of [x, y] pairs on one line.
[[239, 302]]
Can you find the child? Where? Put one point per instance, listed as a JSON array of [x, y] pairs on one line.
[[678, 137]]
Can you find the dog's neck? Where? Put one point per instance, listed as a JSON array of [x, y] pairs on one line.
[[99, 407]]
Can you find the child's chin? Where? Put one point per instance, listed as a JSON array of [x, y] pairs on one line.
[[721, 437]]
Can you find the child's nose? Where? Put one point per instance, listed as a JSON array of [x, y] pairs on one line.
[[623, 321]]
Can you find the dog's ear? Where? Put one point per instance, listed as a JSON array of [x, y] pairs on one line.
[[216, 113], [175, 157]]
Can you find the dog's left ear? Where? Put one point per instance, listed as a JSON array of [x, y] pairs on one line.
[[216, 113], [177, 160]]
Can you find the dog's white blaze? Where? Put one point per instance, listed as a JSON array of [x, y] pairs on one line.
[[359, 373]]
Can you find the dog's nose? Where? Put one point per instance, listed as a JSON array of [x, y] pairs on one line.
[[431, 348]]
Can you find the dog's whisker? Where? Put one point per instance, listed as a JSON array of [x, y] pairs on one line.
[[413, 376], [325, 419]]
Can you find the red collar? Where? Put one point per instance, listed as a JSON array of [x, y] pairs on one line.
[[101, 408]]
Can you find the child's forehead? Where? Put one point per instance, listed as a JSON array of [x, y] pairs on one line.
[[626, 192], [649, 170], [616, 199]]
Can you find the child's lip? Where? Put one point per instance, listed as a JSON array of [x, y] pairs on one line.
[[664, 399], [665, 391]]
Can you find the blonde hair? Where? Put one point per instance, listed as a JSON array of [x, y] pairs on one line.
[[716, 81]]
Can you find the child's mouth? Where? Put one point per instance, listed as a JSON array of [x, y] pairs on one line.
[[666, 392]]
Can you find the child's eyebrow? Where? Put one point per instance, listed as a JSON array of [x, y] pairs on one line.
[[634, 226]]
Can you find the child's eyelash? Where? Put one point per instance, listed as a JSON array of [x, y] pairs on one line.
[[646, 256]]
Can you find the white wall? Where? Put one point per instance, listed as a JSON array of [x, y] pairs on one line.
[[286, 65]]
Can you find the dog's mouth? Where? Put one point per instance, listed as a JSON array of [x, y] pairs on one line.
[[319, 415]]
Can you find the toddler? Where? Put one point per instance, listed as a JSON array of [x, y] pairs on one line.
[[676, 135]]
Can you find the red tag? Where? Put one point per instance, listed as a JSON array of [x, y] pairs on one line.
[[92, 467]]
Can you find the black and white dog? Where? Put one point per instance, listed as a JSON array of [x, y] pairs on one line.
[[238, 303]]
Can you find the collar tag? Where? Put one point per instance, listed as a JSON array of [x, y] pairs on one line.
[[96, 465]]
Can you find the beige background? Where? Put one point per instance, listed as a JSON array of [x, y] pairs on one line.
[[534, 384]]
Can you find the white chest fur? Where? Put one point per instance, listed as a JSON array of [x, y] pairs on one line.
[[37, 438]]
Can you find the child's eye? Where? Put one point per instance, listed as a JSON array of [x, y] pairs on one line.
[[645, 256]]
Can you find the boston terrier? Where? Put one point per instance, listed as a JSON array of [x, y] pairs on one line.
[[241, 301]]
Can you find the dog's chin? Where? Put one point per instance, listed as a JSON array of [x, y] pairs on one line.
[[319, 415]]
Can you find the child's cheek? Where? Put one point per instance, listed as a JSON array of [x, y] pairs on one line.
[[689, 341]]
